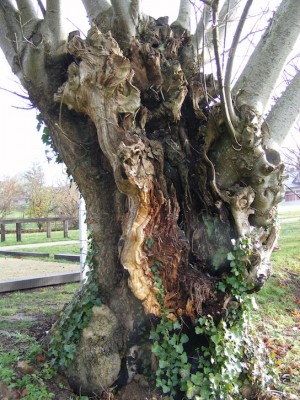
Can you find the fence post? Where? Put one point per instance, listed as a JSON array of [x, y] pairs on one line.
[[66, 228], [18, 231], [2, 232], [48, 229]]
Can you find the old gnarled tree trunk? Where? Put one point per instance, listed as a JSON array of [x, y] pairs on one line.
[[172, 169]]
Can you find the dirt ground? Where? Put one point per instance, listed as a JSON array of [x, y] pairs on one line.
[[12, 268], [17, 268]]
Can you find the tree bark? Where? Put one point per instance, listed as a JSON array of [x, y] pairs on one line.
[[276, 44]]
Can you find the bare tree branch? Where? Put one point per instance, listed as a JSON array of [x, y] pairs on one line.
[[27, 10], [256, 83], [54, 19], [10, 32], [226, 19], [224, 104], [235, 41], [184, 15], [227, 16], [27, 17], [126, 19], [198, 36], [208, 2], [292, 159], [95, 7], [283, 115], [15, 93], [42, 8]]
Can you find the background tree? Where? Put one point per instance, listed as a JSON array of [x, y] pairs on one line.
[[11, 194], [65, 200], [181, 177], [292, 157], [39, 198]]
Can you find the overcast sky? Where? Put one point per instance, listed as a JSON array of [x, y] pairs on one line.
[[20, 143]]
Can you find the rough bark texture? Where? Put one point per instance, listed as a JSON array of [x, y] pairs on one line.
[[189, 187], [167, 187]]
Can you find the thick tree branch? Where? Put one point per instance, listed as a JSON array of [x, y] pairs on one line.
[[23, 50], [284, 113], [10, 31], [6, 43], [235, 41], [198, 37], [256, 83], [126, 19], [184, 15], [27, 10], [95, 7], [54, 20], [27, 16]]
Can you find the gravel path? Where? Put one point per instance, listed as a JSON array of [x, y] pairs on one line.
[[17, 268]]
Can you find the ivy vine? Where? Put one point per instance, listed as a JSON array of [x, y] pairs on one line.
[[228, 355], [47, 139], [75, 317]]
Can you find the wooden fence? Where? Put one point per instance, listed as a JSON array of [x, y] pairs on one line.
[[40, 281], [19, 222]]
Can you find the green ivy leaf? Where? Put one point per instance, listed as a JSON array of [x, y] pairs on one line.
[[177, 325], [163, 363], [197, 378], [184, 338], [179, 348]]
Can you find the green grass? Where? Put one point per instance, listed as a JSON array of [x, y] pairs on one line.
[[23, 316], [65, 249], [39, 237], [52, 250], [279, 300], [288, 256], [293, 212], [30, 301]]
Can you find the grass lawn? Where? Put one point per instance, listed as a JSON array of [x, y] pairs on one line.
[[26, 315], [279, 304], [24, 318], [39, 237], [52, 250]]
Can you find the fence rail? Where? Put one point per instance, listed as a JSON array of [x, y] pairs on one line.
[[41, 281], [20, 221]]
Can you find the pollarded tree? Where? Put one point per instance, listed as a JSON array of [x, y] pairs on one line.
[[38, 196], [181, 178], [65, 200]]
